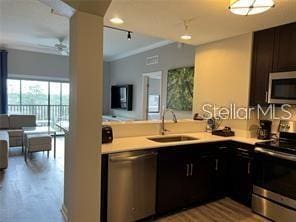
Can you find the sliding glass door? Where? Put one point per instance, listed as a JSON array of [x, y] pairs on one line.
[[48, 100]]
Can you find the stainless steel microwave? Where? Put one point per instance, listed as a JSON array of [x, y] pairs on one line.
[[282, 88]]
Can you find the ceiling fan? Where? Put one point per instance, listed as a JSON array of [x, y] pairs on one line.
[[60, 47]]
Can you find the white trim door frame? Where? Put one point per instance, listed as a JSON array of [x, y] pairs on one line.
[[145, 86]]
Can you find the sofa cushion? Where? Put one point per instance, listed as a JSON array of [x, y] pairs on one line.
[[36, 139], [15, 133], [4, 121], [19, 121], [4, 135], [4, 144]]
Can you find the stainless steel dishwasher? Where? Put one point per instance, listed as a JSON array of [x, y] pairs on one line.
[[131, 185]]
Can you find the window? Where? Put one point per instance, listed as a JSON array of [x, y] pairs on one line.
[[48, 100], [34, 92], [153, 103], [13, 90]]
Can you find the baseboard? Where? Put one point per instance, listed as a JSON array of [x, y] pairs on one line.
[[65, 213]]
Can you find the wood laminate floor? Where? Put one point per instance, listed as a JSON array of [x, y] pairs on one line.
[[224, 210], [33, 192]]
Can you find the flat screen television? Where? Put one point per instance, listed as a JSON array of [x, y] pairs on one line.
[[122, 97]]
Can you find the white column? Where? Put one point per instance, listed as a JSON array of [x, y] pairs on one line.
[[83, 147]]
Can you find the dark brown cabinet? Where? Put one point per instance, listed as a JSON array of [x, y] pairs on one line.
[[240, 174], [186, 176], [285, 48], [261, 65], [274, 50], [173, 181], [202, 179]]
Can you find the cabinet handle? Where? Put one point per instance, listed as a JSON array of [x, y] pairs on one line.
[[249, 167], [191, 169], [216, 164], [242, 149], [266, 96], [187, 170]]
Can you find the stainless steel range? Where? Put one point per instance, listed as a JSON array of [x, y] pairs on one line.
[[274, 186]]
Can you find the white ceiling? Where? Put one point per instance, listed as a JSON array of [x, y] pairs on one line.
[[29, 24], [117, 46], [211, 18]]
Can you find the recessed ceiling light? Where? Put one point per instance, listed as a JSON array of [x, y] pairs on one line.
[[186, 37], [116, 20], [250, 7]]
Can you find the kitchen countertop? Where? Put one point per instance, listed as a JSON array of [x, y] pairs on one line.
[[142, 143]]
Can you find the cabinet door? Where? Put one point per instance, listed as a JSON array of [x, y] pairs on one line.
[[172, 180], [241, 180], [222, 167], [285, 48], [202, 178], [263, 45]]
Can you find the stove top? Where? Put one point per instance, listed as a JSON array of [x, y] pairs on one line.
[[280, 146]]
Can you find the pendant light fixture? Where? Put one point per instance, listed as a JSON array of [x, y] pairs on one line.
[[129, 33], [186, 36], [129, 36], [250, 7]]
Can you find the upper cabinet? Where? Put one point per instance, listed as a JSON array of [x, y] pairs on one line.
[[274, 50], [285, 48], [263, 45]]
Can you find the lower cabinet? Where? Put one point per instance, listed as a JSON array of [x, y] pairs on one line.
[[186, 175], [240, 174], [200, 173], [172, 179]]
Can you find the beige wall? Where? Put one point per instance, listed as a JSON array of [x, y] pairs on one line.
[[222, 74]]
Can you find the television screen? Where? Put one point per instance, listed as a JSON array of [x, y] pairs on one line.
[[121, 97]]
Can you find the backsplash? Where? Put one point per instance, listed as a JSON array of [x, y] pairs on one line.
[[148, 128]]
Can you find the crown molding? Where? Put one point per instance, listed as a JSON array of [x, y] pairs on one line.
[[34, 48], [30, 48]]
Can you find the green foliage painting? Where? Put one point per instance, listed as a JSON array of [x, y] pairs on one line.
[[180, 89]]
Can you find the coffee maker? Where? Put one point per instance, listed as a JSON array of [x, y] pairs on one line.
[[264, 130]]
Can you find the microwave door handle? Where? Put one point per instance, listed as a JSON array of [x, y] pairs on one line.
[[276, 154]]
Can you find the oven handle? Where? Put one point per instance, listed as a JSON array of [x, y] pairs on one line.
[[276, 154]]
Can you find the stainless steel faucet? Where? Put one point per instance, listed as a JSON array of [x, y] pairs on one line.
[[162, 128]]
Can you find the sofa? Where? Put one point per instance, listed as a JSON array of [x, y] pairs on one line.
[[11, 133]]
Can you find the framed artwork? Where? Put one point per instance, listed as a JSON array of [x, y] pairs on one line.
[[180, 88]]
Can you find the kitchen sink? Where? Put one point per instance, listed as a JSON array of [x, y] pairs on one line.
[[169, 139]]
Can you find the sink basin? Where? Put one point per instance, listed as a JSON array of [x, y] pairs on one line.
[[169, 139]]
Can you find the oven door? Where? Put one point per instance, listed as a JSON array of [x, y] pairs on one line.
[[275, 172], [282, 88]]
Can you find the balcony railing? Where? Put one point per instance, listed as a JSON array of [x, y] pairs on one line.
[[42, 113]]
